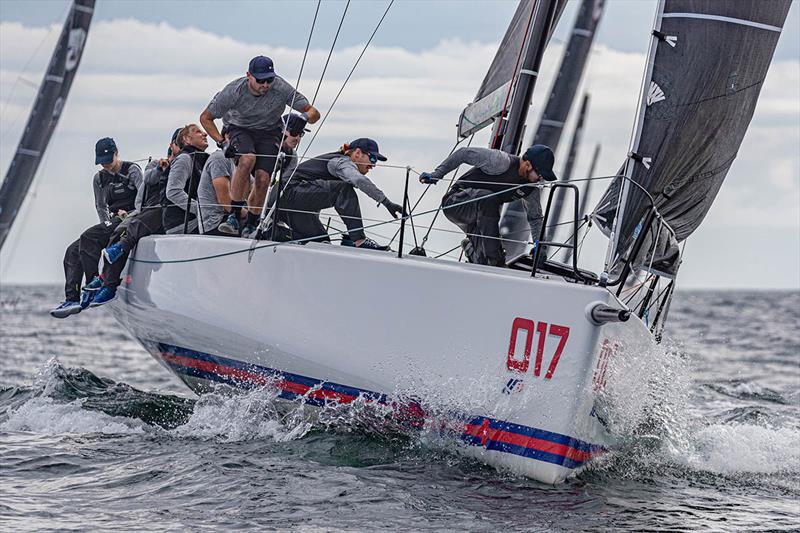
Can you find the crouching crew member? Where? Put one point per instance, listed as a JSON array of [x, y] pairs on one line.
[[251, 107], [474, 201], [184, 178], [115, 195], [213, 193], [330, 180], [147, 221]]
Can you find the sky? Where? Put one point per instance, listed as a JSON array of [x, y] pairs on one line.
[[149, 67]]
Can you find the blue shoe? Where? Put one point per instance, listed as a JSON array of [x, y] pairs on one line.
[[103, 296], [86, 298], [113, 253], [93, 285], [249, 232], [230, 225], [66, 308]]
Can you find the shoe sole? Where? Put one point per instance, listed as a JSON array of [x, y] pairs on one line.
[[108, 259], [228, 229], [95, 304], [64, 313]]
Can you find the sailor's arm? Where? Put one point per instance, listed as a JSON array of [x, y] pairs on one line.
[[344, 168], [297, 101], [490, 161], [207, 122], [100, 199], [222, 102], [135, 175], [179, 174], [533, 212]]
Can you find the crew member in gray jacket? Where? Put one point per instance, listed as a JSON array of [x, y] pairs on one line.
[[251, 107], [180, 194], [474, 201], [330, 180]]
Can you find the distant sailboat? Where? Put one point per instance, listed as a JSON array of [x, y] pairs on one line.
[[45, 113]]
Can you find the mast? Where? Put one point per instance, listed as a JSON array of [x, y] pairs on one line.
[[45, 113], [513, 225], [574, 147]]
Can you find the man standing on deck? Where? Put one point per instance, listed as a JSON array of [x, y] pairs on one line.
[[251, 107], [115, 195], [474, 201]]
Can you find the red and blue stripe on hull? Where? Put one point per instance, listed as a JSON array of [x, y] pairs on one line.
[[492, 434]]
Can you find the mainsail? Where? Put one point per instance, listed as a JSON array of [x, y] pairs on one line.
[[707, 64], [514, 225], [521, 36], [45, 113]]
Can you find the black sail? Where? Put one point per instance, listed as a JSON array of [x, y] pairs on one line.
[[708, 63], [45, 113], [514, 224]]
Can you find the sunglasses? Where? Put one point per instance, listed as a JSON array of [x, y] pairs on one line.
[[265, 81], [372, 158]]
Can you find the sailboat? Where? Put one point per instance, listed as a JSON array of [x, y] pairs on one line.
[[519, 355]]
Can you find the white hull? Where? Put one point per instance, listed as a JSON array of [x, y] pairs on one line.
[[332, 323]]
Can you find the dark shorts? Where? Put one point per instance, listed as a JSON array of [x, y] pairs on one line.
[[264, 143]]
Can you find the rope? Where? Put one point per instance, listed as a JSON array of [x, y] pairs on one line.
[[341, 89], [330, 53]]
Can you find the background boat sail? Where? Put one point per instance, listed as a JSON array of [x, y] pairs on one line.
[[47, 109], [523, 358]]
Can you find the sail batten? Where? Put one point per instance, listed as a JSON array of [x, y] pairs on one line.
[[46, 111]]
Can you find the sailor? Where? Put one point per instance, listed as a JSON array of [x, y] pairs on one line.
[[330, 180], [213, 193], [147, 221], [251, 107], [474, 201], [180, 194], [115, 191]]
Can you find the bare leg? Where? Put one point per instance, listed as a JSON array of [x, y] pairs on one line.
[[241, 177], [259, 193]]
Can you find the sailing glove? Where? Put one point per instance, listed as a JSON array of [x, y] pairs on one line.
[[393, 208], [428, 178]]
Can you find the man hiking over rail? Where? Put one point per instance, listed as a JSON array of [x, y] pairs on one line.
[[474, 201], [115, 195], [251, 108]]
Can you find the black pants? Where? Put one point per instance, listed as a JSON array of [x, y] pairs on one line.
[[82, 257], [479, 218], [73, 271], [129, 232], [314, 196]]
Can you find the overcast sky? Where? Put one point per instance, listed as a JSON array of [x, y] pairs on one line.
[[149, 67]]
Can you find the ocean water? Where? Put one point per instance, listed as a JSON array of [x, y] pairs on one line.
[[95, 435]]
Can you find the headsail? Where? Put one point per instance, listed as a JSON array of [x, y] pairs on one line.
[[45, 113], [707, 65], [494, 93]]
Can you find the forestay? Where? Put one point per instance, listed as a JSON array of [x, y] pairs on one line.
[[708, 62]]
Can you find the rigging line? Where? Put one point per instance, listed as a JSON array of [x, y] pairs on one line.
[[447, 252], [327, 114], [330, 53], [302, 66], [309, 239], [421, 196]]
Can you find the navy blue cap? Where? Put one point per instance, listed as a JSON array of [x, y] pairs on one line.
[[261, 67], [367, 145], [542, 159], [104, 151], [295, 124]]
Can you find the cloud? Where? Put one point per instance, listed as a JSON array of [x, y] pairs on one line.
[[138, 81]]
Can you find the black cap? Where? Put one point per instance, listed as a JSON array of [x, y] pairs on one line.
[[104, 151], [367, 145], [295, 124], [542, 159], [261, 67]]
